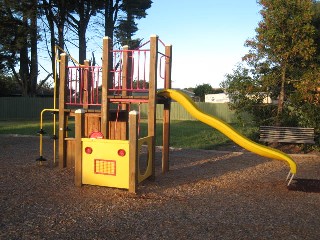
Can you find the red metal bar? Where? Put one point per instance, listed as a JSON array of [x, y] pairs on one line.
[[161, 42], [160, 67], [132, 70], [130, 100], [81, 83], [144, 69], [144, 44], [76, 85]]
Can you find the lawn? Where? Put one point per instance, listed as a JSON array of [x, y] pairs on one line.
[[184, 134]]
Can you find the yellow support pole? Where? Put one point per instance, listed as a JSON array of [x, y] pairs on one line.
[[54, 109], [41, 158]]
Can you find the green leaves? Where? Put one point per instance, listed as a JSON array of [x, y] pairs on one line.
[[202, 90], [285, 32]]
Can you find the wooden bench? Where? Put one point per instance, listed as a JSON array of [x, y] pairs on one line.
[[273, 134]]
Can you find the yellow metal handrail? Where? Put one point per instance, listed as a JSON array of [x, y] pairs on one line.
[[41, 133], [54, 109]]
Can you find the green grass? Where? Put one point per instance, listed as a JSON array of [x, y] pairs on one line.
[[184, 134], [20, 127], [194, 134]]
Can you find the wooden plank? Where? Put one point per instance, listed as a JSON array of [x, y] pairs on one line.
[[152, 94], [85, 90], [285, 140], [70, 142], [133, 151], [62, 116], [106, 84], [79, 133], [286, 134], [166, 111], [92, 123], [111, 130]]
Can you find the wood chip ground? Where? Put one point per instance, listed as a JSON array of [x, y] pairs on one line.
[[206, 195]]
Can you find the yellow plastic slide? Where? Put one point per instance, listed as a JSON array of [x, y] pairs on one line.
[[227, 130]]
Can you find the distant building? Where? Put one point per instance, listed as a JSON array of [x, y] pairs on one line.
[[217, 98], [223, 98]]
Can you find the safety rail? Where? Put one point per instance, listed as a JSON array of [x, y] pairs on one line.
[[136, 73], [129, 74], [84, 85]]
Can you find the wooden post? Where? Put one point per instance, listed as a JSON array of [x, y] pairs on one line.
[[62, 116], [79, 133], [125, 73], [166, 111], [133, 151], [152, 104], [86, 83], [106, 84]]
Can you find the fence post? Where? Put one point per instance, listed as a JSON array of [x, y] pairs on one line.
[[106, 84], [166, 111], [152, 93], [125, 73], [86, 83], [79, 133], [133, 151], [62, 116]]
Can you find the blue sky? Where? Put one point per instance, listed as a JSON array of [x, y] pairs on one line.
[[207, 36]]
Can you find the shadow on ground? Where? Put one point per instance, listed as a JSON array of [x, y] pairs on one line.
[[305, 185]]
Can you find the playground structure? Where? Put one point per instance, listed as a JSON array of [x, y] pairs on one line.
[[99, 99], [108, 148]]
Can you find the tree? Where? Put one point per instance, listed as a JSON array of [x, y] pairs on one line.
[[78, 19], [284, 43], [202, 90], [111, 12], [316, 24], [8, 41], [247, 93], [8, 86], [305, 100], [140, 84], [20, 45], [55, 12], [127, 25]]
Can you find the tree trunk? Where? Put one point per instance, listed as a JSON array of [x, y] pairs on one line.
[[34, 51], [61, 24], [58, 21], [24, 60], [84, 18], [52, 43], [281, 94], [111, 14], [82, 42]]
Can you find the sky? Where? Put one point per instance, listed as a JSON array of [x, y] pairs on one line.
[[207, 36]]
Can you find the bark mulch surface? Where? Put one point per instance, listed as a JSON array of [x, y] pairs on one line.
[[207, 194]]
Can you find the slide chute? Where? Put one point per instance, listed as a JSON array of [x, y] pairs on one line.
[[228, 130]]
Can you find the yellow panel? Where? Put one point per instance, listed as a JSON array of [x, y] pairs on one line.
[[104, 167]]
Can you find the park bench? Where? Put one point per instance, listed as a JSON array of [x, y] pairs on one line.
[[274, 134]]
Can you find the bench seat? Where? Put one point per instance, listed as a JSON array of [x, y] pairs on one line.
[[274, 134]]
